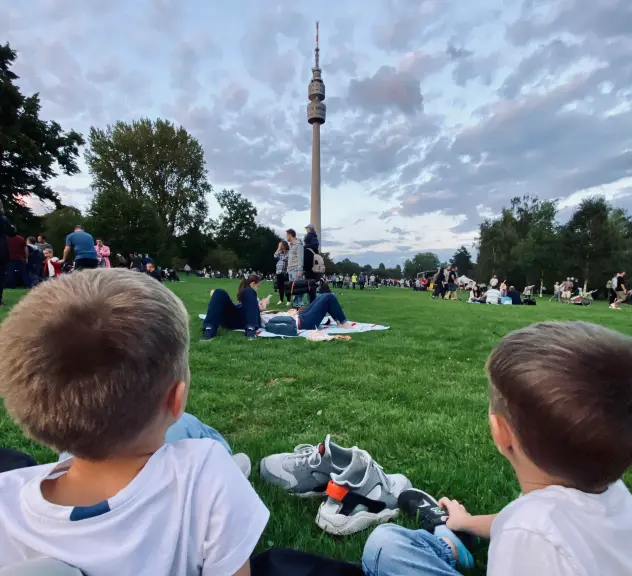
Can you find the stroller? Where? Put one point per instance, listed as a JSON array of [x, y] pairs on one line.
[[583, 299]]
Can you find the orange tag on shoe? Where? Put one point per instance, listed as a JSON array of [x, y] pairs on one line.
[[335, 491]]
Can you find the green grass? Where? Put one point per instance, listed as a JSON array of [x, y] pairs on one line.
[[415, 397]]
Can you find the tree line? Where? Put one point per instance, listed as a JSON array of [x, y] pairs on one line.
[[528, 246]]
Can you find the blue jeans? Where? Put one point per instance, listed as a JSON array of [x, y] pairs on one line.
[[222, 311], [313, 315], [15, 267], [187, 427], [396, 551]]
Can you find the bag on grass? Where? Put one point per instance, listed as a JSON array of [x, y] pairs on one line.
[[298, 287], [282, 326], [529, 302]]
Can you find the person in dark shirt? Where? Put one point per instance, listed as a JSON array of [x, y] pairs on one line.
[[18, 255], [152, 271], [514, 295], [311, 241]]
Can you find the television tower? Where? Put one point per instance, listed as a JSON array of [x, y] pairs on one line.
[[316, 114]]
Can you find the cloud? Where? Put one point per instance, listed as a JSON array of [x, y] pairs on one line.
[[387, 89]]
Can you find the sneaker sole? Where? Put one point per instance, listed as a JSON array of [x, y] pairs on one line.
[[341, 525]]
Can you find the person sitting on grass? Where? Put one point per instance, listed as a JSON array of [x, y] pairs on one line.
[[561, 413], [101, 372], [246, 314], [514, 295]]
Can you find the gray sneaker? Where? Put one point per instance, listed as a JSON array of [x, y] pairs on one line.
[[360, 497], [306, 471]]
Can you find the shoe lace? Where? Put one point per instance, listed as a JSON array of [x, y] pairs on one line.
[[308, 453]]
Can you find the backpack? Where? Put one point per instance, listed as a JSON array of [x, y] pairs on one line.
[[609, 284], [318, 267], [282, 326]]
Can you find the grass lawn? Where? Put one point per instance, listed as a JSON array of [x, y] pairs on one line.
[[415, 397]]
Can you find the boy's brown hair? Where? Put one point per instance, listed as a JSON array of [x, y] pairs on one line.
[[566, 391], [88, 357]]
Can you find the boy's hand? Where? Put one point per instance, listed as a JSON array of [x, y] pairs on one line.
[[459, 517]]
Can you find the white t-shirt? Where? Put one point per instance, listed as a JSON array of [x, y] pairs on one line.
[[492, 296], [190, 511], [564, 532]]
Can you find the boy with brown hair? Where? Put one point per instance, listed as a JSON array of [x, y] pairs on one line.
[[101, 371], [561, 413]]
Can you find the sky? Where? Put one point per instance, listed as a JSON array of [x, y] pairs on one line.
[[438, 111]]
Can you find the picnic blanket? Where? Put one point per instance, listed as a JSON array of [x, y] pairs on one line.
[[330, 329]]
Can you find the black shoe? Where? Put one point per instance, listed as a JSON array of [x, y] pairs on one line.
[[424, 508], [251, 333], [208, 333], [429, 515]]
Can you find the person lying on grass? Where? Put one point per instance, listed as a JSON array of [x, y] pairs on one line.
[[246, 313], [561, 413], [101, 372]]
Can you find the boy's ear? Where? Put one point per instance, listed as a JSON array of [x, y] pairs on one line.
[[176, 400], [502, 433]]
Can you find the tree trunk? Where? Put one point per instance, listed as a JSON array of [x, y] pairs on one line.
[[541, 281]]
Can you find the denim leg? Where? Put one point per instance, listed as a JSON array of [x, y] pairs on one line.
[[222, 312], [188, 426], [250, 308], [293, 275], [313, 315], [396, 551]]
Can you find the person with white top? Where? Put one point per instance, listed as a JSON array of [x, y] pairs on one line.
[[493, 296], [131, 499], [574, 517]]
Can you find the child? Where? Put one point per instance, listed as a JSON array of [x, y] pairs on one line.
[[101, 371], [52, 265], [561, 413]]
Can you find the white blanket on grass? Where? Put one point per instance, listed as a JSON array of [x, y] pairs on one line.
[[356, 328]]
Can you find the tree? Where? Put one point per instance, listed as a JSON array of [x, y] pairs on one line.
[[592, 239], [222, 260], [330, 266], [31, 150], [237, 222], [348, 267], [127, 223], [421, 262], [462, 259], [153, 162], [264, 243], [58, 224]]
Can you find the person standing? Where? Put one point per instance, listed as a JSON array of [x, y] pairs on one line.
[[82, 244], [311, 241], [187, 270], [620, 291], [34, 262], [18, 257], [281, 256], [354, 281], [42, 244], [103, 254], [295, 261]]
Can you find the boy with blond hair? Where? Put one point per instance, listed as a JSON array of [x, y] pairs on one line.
[[561, 413], [101, 371]]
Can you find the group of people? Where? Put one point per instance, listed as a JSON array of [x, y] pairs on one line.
[[142, 487], [295, 261], [32, 260], [445, 283], [249, 313], [350, 281]]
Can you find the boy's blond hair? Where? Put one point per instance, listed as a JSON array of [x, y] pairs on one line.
[[566, 390], [88, 357]]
